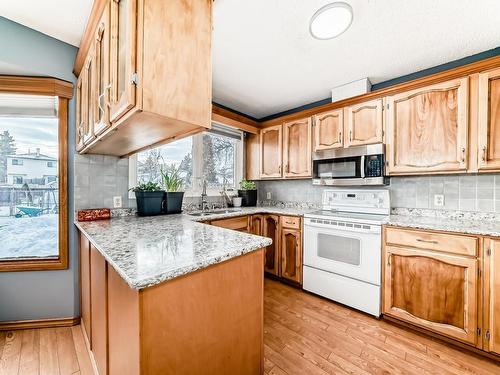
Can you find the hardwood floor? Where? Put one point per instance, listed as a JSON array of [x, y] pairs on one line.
[[46, 351], [303, 334]]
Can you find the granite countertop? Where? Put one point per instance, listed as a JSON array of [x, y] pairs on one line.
[[454, 221], [146, 251]]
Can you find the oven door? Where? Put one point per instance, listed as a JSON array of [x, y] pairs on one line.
[[348, 249]]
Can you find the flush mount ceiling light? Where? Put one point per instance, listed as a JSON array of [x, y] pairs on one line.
[[331, 20]]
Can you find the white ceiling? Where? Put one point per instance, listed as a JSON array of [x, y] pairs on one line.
[[265, 61], [61, 19]]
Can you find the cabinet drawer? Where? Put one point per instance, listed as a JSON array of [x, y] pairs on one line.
[[290, 222], [236, 223], [447, 243]]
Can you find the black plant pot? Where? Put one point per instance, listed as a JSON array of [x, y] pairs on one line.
[[149, 203], [249, 197], [173, 202]]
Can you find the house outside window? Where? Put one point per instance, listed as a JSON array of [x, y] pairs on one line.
[[17, 162], [51, 164], [18, 180], [214, 156]]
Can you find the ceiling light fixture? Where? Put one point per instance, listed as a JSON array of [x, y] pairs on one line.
[[331, 20]]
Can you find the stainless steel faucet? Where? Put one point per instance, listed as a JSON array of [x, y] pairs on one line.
[[204, 202]]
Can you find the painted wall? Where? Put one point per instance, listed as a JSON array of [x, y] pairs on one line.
[[41, 294], [461, 192]]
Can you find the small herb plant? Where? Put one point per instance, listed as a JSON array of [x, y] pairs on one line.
[[247, 185], [172, 179], [147, 186]]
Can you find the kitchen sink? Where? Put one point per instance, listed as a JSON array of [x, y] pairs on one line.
[[216, 212]]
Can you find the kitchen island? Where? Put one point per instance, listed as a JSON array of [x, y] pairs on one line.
[[168, 295]]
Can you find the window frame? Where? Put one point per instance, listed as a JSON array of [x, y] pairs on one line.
[[63, 91], [197, 155]]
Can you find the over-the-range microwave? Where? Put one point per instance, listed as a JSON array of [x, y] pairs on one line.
[[353, 166]]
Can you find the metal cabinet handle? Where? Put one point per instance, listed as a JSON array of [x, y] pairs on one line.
[[463, 154], [340, 136], [350, 135], [101, 97], [427, 241], [483, 157], [389, 255]]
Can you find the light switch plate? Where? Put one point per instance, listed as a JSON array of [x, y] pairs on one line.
[[117, 201], [438, 200], [268, 195]]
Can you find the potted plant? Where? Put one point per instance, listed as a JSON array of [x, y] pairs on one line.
[[149, 198], [248, 193], [173, 183]]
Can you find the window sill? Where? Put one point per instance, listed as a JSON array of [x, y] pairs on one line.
[[33, 264]]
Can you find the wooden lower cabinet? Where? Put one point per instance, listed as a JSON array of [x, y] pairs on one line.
[[271, 229], [239, 223], [291, 255], [85, 286], [491, 312], [256, 224]]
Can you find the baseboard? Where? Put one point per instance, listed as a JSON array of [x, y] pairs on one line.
[[38, 323]]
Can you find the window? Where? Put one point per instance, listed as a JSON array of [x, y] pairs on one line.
[[33, 203], [215, 156]]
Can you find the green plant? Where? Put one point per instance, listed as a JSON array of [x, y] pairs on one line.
[[147, 186], [247, 185], [172, 179]]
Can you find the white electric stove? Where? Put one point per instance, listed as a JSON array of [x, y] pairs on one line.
[[343, 247]]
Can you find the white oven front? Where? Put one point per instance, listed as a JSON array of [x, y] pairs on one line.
[[344, 248]]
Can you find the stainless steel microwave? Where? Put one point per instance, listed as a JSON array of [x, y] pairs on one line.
[[353, 166]]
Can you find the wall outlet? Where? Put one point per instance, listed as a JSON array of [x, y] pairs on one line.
[[117, 201], [268, 195], [438, 200]]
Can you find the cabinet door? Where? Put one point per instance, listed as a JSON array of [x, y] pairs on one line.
[[364, 123], [99, 309], [272, 255], [252, 156], [432, 290], [271, 147], [90, 95], [297, 148], [123, 61], [256, 225], [489, 120], [328, 130], [291, 255], [492, 296], [79, 120], [85, 286], [427, 129], [101, 98], [235, 223]]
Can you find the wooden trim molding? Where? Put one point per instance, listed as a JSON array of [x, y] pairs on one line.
[[61, 261], [88, 35], [226, 117], [38, 323], [36, 86]]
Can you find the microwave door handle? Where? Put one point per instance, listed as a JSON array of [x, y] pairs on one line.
[[362, 166]]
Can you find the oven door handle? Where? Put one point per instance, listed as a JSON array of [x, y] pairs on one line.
[[362, 166]]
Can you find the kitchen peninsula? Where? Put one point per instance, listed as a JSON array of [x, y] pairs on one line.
[[160, 291]]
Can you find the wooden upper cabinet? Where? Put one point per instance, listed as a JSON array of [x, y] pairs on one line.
[[491, 309], [432, 290], [297, 148], [271, 146], [272, 253], [427, 129], [489, 120], [328, 130], [364, 123], [123, 55], [252, 156], [103, 86], [80, 113], [291, 255]]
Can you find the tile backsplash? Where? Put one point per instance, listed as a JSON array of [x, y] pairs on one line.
[[461, 192]]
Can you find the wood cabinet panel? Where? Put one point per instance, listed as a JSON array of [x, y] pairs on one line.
[[85, 291], [427, 129], [79, 113], [297, 148], [431, 290], [252, 156], [329, 130], [448, 243], [292, 222], [89, 94], [99, 309], [365, 123], [272, 252], [256, 225], [489, 121], [239, 223], [291, 255], [271, 147], [491, 312]]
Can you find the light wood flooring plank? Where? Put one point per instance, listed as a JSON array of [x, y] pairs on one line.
[[81, 351], [9, 363], [49, 362], [30, 352]]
